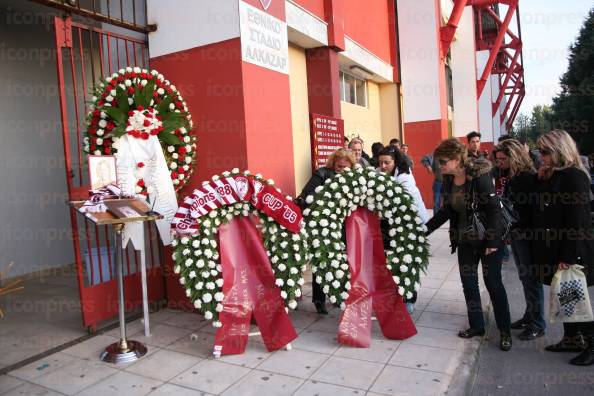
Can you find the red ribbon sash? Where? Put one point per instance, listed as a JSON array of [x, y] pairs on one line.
[[372, 286], [249, 287]]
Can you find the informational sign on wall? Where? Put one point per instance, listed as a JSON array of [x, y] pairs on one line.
[[327, 136], [264, 39]]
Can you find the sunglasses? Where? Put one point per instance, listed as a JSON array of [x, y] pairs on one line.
[[544, 152]]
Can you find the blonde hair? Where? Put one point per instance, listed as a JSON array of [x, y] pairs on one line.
[[341, 153], [564, 152], [452, 149], [519, 160]]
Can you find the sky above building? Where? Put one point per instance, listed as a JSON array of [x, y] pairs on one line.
[[548, 29]]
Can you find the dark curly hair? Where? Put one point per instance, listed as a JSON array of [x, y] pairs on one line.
[[398, 157]]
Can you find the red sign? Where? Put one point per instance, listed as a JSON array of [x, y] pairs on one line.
[[327, 136]]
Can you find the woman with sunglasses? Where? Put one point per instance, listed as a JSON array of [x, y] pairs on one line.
[[514, 162], [468, 191], [563, 233]]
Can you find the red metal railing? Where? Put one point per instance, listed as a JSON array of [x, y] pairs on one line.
[[505, 51], [84, 55]]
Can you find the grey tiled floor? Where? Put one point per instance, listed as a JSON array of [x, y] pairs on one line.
[[44, 315], [180, 362]]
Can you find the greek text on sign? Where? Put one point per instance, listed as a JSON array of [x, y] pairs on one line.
[[264, 39]]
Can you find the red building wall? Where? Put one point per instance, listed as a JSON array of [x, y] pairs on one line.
[[316, 7], [368, 24]]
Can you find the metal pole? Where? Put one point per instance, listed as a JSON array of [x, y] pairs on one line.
[[122, 303], [123, 351]]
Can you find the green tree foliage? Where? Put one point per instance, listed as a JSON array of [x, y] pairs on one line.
[[573, 108]]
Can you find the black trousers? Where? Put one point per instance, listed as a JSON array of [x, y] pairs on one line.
[[468, 261], [572, 329], [318, 295]]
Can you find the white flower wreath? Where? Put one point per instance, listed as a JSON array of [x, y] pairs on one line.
[[198, 261], [408, 251]]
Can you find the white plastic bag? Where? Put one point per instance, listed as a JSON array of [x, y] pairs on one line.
[[569, 300]]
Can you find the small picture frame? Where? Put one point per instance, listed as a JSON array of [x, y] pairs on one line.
[[102, 171], [123, 209]]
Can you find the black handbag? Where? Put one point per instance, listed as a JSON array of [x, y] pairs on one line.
[[477, 229]]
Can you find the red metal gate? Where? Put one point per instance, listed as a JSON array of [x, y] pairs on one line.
[[84, 54]]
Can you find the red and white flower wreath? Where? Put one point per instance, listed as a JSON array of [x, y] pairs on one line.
[[140, 103]]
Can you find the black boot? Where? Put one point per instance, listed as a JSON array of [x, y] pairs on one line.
[[321, 308], [586, 358], [574, 343]]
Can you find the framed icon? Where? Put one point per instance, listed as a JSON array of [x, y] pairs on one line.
[[102, 171]]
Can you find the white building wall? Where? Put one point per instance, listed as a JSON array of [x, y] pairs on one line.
[[485, 107], [419, 60], [494, 80], [202, 22], [463, 66]]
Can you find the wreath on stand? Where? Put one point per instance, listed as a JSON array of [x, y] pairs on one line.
[[141, 104], [408, 251], [197, 256]]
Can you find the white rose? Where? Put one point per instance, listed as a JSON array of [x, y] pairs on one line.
[[198, 304], [208, 315]]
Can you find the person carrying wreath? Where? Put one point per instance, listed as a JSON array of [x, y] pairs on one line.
[[337, 162], [468, 191], [393, 162], [563, 233]]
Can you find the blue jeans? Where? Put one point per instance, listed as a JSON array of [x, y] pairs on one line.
[[437, 201], [533, 292]]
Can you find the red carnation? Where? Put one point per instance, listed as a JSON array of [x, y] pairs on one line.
[[144, 135], [155, 94], [130, 113], [174, 175], [96, 113], [140, 107], [140, 183], [107, 150], [140, 164], [110, 126], [147, 123], [131, 90], [93, 147], [100, 103], [181, 150], [92, 130]]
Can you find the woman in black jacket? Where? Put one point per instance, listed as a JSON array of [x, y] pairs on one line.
[[514, 162], [563, 233], [469, 189], [338, 161]]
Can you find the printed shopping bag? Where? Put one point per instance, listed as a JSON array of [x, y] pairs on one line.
[[569, 300]]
